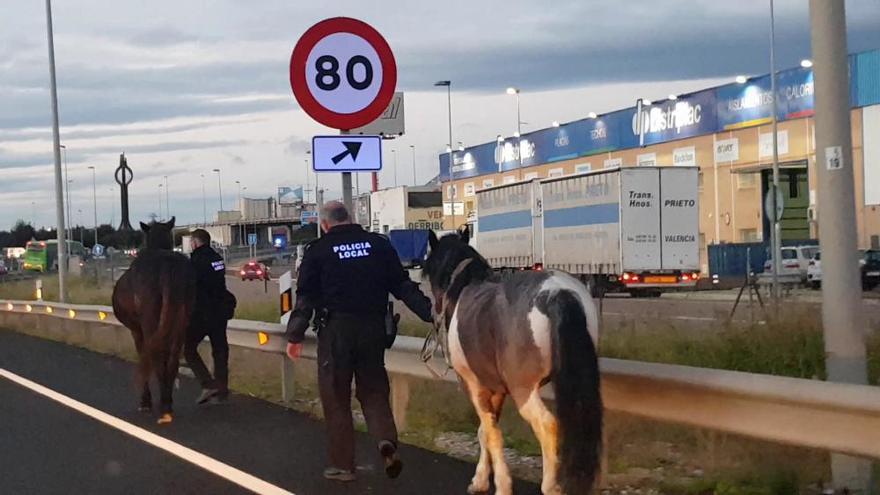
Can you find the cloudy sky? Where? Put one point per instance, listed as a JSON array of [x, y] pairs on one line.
[[183, 87]]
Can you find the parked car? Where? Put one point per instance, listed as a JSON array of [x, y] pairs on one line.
[[869, 266], [795, 261], [253, 270], [814, 271]]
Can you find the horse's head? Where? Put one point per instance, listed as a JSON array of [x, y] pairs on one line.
[[445, 268], [158, 235]]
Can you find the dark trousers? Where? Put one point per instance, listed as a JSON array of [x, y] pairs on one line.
[[215, 329], [353, 347]]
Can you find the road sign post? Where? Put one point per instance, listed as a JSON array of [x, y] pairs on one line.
[[343, 74]]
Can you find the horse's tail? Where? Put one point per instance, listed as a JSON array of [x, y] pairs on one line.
[[576, 386], [176, 304]]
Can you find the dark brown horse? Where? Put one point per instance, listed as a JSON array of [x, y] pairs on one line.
[[154, 299]]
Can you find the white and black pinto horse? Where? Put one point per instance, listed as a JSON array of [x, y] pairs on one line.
[[510, 336]]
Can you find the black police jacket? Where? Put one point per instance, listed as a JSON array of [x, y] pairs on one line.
[[210, 281], [352, 271]]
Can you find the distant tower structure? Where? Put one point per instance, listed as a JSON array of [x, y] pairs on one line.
[[124, 176]]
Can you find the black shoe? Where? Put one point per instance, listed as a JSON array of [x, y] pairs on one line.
[[207, 395], [336, 474], [393, 465]]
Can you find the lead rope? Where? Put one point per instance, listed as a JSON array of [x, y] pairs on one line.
[[438, 339]]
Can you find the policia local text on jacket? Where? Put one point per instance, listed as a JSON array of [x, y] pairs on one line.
[[348, 273]]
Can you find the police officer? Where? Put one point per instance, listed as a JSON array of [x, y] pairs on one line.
[[345, 277], [208, 319]]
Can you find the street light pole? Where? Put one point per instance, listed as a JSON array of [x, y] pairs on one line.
[[167, 201], [842, 307], [394, 154], [448, 85], [776, 230], [67, 193], [204, 202], [413, 148], [95, 201], [219, 188], [160, 202], [515, 91], [56, 149], [241, 213]]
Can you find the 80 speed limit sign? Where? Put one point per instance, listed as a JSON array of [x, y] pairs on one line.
[[343, 73]]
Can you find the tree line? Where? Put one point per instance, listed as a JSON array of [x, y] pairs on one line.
[[23, 232]]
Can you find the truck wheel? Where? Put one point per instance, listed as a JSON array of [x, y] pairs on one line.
[[636, 293], [815, 285]]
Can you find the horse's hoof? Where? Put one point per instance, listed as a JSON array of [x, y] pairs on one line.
[[166, 418], [474, 489]]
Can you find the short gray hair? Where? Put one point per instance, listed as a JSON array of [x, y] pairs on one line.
[[334, 213]]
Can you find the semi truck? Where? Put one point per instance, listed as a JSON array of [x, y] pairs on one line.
[[630, 229]]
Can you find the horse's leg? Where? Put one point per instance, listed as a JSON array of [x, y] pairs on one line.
[[544, 424], [146, 404], [488, 407], [168, 365]]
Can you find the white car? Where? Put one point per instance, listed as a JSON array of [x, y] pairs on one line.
[[795, 262], [814, 271]]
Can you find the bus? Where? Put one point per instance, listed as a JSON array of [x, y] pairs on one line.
[[42, 256]]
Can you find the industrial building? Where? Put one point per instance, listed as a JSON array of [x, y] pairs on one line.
[[725, 131]]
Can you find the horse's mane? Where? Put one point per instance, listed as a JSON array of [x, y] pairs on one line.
[[446, 256]]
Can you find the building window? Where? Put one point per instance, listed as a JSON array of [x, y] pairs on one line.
[[745, 181], [508, 179], [793, 184], [530, 176], [469, 205], [556, 172], [582, 168], [748, 235], [488, 183], [468, 189]]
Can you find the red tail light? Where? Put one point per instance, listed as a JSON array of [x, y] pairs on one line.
[[695, 276], [539, 267], [243, 272], [259, 272]]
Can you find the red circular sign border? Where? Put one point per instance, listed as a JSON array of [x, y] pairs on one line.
[[298, 73]]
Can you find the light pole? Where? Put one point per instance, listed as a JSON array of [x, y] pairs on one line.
[[79, 220], [95, 201], [167, 201], [775, 230], [413, 148], [241, 214], [67, 193], [843, 323], [204, 202], [518, 135], [219, 188], [394, 154], [448, 85], [160, 201], [56, 151]]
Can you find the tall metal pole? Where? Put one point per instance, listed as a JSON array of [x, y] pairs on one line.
[[67, 192], [776, 230], [241, 222], [449, 149], [394, 154], [413, 148], [204, 202], [346, 188], [219, 188], [160, 202], [95, 201], [844, 329]]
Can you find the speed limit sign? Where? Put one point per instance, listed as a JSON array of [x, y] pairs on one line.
[[343, 73]]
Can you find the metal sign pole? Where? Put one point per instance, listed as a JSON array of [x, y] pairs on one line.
[[59, 187], [346, 187], [775, 227]]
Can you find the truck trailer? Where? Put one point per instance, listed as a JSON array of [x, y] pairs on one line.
[[631, 229]]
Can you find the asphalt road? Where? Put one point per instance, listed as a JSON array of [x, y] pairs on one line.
[[48, 447]]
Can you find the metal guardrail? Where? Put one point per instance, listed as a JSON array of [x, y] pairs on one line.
[[837, 417]]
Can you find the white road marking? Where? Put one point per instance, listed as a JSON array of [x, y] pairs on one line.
[[214, 466]]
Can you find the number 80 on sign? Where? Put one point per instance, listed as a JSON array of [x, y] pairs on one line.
[[343, 73]]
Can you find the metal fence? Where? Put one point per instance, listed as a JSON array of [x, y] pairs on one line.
[[836, 417]]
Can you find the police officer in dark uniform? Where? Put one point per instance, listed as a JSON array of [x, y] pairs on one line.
[[209, 319], [344, 281]]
